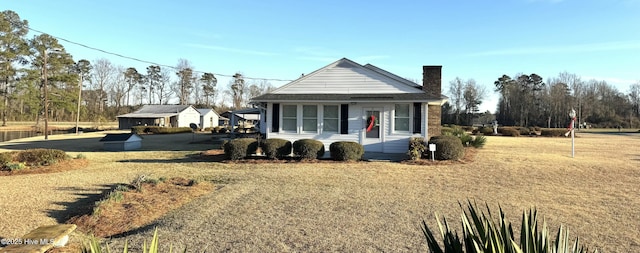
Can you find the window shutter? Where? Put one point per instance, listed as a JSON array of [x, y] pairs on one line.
[[417, 118], [344, 118], [275, 119]]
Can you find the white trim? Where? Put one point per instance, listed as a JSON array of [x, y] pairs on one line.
[[301, 121], [392, 120], [281, 119], [321, 122]]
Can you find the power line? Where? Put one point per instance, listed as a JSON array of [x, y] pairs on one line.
[[145, 61]]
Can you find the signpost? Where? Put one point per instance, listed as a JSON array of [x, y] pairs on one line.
[[572, 115], [432, 148]]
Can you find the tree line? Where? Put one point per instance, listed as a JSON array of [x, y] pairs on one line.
[[103, 89], [528, 100]]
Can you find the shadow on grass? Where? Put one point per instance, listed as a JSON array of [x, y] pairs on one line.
[[192, 158], [159, 142], [82, 205]]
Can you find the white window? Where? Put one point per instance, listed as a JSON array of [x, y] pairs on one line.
[[309, 118], [401, 118], [289, 119], [331, 118]]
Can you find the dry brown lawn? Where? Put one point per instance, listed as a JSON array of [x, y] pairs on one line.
[[365, 206]]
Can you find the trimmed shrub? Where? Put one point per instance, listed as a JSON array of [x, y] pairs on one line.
[[41, 156], [524, 130], [417, 146], [276, 148], [447, 147], [346, 151], [308, 149], [509, 131], [484, 131], [240, 148], [553, 132]]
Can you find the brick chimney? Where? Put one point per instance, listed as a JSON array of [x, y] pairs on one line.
[[432, 80], [432, 85]]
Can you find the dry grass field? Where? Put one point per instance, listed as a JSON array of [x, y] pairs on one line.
[[364, 206]]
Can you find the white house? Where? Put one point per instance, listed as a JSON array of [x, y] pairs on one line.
[[208, 118], [160, 115], [121, 142], [346, 101]]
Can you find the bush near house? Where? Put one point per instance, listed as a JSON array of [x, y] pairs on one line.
[[308, 149], [240, 148], [346, 151], [447, 147], [276, 148], [465, 138], [417, 147]]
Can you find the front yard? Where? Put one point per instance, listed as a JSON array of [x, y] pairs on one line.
[[364, 206]]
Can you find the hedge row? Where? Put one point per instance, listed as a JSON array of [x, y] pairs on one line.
[[159, 130], [553, 132], [305, 149]]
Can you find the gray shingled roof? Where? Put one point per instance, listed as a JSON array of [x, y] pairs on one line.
[[156, 111]]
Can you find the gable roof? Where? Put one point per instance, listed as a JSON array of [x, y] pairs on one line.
[[205, 111], [156, 111], [347, 80], [120, 137]]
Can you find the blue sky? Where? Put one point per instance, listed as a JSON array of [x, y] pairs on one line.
[[483, 40]]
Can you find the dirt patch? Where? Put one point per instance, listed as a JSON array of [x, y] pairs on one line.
[[60, 166], [136, 208]]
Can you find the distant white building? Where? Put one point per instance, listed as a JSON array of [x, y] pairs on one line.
[[208, 118], [160, 115]]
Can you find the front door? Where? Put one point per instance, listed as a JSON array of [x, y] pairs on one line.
[[373, 129]]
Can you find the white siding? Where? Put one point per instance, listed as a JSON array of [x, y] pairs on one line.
[[391, 142], [346, 79], [188, 116], [209, 120]]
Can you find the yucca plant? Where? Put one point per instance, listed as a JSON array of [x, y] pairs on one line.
[[480, 233], [93, 246]]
